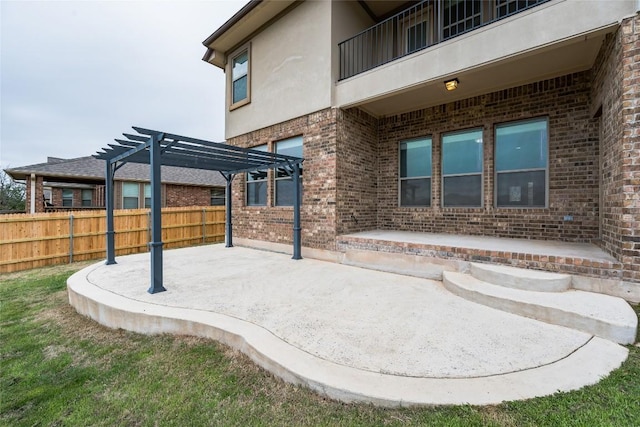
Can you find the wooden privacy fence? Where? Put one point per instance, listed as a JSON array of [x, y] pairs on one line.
[[35, 240]]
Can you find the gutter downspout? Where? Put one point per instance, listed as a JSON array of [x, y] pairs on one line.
[[32, 208]]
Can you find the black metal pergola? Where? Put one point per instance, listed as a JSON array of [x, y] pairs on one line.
[[161, 148]]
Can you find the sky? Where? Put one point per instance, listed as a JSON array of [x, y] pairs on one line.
[[74, 75]]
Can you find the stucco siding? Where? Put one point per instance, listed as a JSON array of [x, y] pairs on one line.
[[290, 70]]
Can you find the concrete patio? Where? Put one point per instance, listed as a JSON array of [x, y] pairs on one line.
[[350, 333]]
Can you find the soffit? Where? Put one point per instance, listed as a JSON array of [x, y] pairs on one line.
[[565, 58], [240, 27]]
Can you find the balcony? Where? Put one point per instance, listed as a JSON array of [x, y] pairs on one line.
[[426, 24]]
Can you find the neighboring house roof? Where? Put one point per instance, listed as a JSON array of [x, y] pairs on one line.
[[88, 169]]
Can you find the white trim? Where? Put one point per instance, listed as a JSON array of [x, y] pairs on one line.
[[32, 208]]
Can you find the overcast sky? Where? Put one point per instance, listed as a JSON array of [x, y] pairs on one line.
[[77, 74]]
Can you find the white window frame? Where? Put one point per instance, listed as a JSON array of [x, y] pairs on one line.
[[233, 105], [496, 172]]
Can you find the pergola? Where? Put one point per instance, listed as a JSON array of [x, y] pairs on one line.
[[161, 148]]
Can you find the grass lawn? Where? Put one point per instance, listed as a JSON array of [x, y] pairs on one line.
[[60, 368]]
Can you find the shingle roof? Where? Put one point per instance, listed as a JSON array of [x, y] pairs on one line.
[[91, 169]]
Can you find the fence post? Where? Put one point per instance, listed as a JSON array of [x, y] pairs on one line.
[[70, 238], [204, 226], [148, 231]]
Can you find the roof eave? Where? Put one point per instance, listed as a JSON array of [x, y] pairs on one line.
[[231, 22]]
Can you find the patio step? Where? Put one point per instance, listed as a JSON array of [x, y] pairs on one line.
[[601, 315], [520, 278]]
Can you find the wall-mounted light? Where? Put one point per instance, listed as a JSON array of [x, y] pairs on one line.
[[451, 84]]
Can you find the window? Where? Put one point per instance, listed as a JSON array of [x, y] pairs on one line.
[[460, 16], [240, 79], [462, 168], [46, 196], [67, 197], [507, 7], [415, 172], [284, 190], [87, 197], [521, 164], [217, 197], [257, 184], [417, 36], [147, 195], [130, 195]]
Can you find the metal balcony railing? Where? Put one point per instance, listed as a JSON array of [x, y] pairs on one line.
[[427, 23]]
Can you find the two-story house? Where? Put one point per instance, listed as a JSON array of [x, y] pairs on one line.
[[515, 119]]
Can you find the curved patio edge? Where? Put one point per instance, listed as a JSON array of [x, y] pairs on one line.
[[587, 365]]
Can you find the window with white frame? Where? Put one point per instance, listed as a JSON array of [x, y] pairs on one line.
[[87, 198], [67, 197], [462, 168], [521, 161], [240, 79], [47, 195], [415, 172], [257, 184], [284, 190], [130, 195]]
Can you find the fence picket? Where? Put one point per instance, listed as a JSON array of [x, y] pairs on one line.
[[36, 240]]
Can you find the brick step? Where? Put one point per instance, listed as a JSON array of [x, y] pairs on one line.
[[601, 315], [519, 278]]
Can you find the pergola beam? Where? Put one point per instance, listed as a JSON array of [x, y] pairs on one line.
[[159, 148]]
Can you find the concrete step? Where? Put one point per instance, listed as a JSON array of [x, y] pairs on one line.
[[520, 278], [601, 315]]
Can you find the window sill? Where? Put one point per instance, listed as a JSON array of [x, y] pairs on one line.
[[239, 104]]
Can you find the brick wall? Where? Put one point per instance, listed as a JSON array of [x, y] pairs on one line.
[[356, 171], [630, 225], [616, 94], [573, 163], [318, 214], [186, 195]]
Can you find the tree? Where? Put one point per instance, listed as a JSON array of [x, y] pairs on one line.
[[12, 194]]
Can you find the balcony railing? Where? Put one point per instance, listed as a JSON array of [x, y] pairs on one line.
[[427, 23]]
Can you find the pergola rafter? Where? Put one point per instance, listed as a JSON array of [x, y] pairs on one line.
[[161, 148]]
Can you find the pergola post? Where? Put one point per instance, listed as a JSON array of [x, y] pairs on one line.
[[228, 222], [296, 212], [156, 216], [108, 201]]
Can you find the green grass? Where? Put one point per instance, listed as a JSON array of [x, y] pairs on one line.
[[60, 369]]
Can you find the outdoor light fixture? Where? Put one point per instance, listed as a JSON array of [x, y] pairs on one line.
[[451, 84]]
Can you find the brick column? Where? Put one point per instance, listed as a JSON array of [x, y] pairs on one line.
[[630, 161]]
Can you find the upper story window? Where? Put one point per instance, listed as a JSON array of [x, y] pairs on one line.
[[462, 168], [87, 197], [67, 197], [257, 184], [522, 164], [240, 79], [415, 172], [130, 195], [284, 191]]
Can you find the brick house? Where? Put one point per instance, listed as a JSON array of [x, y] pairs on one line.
[[504, 118], [61, 184]]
